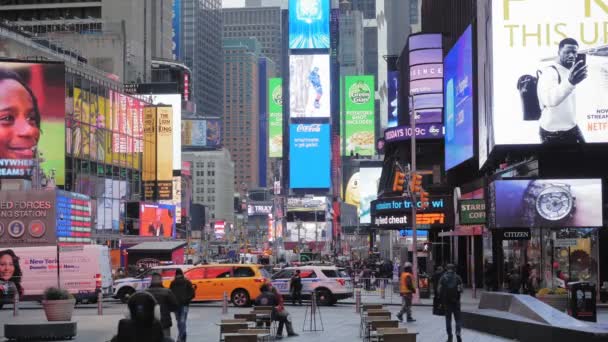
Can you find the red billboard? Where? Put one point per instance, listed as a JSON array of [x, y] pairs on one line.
[[156, 220]]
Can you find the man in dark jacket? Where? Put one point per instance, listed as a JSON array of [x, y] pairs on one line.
[[268, 297], [142, 325], [184, 293], [166, 300], [295, 287], [450, 288]]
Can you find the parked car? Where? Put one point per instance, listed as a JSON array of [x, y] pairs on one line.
[[240, 282], [328, 282], [125, 287]]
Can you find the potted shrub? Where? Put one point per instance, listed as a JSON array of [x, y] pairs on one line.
[[557, 298], [58, 304]]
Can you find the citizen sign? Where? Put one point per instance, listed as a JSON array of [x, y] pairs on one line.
[[516, 234]]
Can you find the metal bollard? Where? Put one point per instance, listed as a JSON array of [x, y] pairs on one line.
[[16, 304], [99, 303], [225, 304], [383, 288], [358, 300]]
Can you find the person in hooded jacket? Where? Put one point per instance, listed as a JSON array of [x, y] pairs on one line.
[[183, 290], [450, 289], [143, 324], [166, 300]]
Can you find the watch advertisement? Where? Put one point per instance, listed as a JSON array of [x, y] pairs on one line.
[[559, 203], [549, 72]]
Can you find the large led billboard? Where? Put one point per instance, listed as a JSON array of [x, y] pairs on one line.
[[275, 118], [359, 121], [459, 101], [309, 156], [309, 86], [156, 220], [549, 72], [201, 132], [175, 101], [32, 122], [369, 178], [393, 98], [426, 77], [560, 203], [309, 24]]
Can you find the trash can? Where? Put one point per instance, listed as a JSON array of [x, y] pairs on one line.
[[581, 301], [424, 286]]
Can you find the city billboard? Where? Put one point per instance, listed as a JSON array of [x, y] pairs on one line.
[[201, 132], [369, 178], [74, 213], [309, 144], [309, 86], [393, 98], [459, 95], [309, 24], [157, 169], [307, 232], [175, 101], [422, 131], [359, 119], [32, 112], [27, 218], [556, 203], [176, 18], [548, 73], [275, 117], [425, 54], [156, 220]]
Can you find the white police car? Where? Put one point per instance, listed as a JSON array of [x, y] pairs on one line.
[[328, 282], [125, 287]]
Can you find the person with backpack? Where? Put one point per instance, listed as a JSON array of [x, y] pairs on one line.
[[166, 301], [407, 290], [183, 290], [295, 287], [143, 324], [450, 289]]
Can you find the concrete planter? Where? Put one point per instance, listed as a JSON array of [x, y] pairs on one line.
[[59, 310], [559, 302]]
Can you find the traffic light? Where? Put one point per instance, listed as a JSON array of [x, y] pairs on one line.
[[415, 182], [424, 199], [398, 182]]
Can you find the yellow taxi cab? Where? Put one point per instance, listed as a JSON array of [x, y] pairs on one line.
[[240, 282]]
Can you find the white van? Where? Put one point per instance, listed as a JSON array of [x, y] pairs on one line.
[[83, 270]]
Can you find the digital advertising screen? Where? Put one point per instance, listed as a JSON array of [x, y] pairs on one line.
[[369, 178], [175, 101], [309, 86], [32, 113], [426, 77], [459, 101], [73, 218], [156, 220], [309, 24], [359, 121], [201, 132], [549, 72], [393, 98], [566, 203], [309, 152], [275, 118]]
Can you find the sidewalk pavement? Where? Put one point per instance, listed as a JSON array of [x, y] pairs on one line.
[[391, 298]]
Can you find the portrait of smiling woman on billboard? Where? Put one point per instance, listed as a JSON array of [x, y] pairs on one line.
[[10, 274], [31, 116]]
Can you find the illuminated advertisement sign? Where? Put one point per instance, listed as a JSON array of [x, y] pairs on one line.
[[156, 220], [175, 101], [259, 208], [359, 120], [565, 203], [32, 112], [157, 173], [177, 31], [426, 77], [306, 231], [393, 98], [201, 132], [309, 145], [472, 211], [27, 218], [369, 178], [548, 73], [309, 24], [219, 229], [459, 101], [309, 86], [423, 131], [275, 118], [73, 217]]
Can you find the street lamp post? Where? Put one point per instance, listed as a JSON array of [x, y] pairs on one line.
[[413, 195]]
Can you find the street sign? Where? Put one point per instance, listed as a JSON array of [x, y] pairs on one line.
[[472, 211]]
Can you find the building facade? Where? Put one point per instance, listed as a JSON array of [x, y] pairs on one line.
[[351, 51], [263, 23], [213, 182], [241, 108]]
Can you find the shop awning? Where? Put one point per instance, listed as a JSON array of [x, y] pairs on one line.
[[463, 231]]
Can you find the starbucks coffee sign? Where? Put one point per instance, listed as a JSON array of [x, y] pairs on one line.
[[472, 211]]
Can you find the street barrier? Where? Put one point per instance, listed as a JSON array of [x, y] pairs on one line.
[[99, 303], [16, 304], [358, 300], [225, 304]]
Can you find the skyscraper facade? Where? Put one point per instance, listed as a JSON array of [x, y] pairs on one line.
[[263, 23], [201, 51], [351, 48], [241, 108]]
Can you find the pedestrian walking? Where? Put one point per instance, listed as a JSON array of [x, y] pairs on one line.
[[295, 287], [514, 281], [525, 274], [450, 289], [271, 297], [533, 282], [142, 324], [183, 290], [165, 299], [436, 276], [407, 290]]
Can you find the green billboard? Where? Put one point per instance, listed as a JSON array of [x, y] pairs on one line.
[[275, 117], [359, 115]]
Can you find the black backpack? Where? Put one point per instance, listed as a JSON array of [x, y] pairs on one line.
[[451, 286], [527, 85]]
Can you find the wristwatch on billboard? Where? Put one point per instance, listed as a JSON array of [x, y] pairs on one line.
[[548, 204]]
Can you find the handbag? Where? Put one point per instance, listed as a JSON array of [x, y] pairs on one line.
[[438, 308]]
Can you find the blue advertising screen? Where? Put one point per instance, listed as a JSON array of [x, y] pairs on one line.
[[458, 71], [309, 24], [309, 156], [393, 98]]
